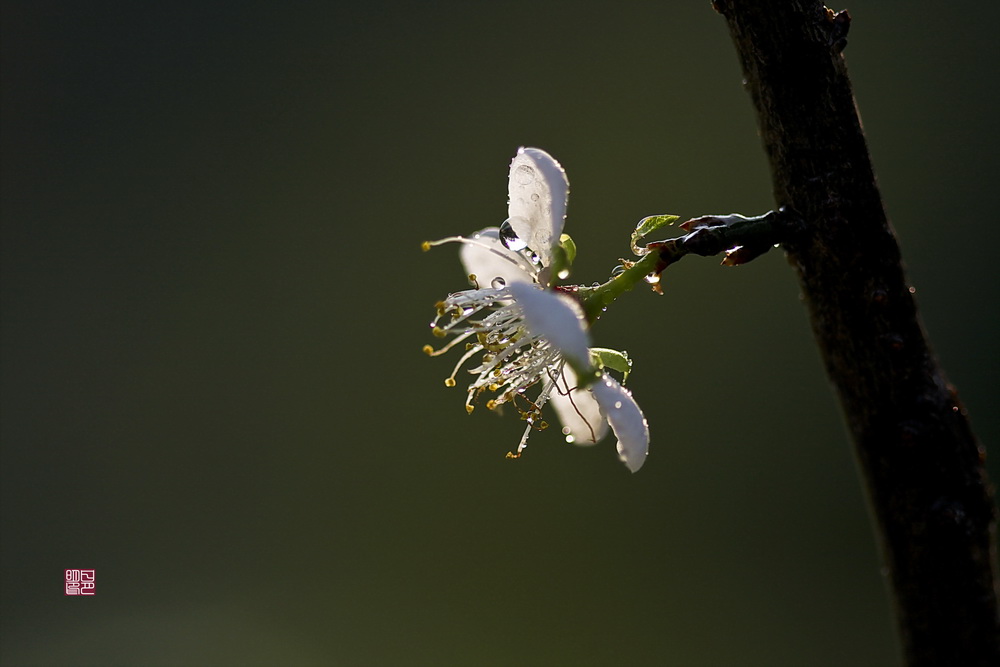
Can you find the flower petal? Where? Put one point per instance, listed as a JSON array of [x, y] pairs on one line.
[[578, 411], [557, 318], [626, 419], [538, 192], [492, 261]]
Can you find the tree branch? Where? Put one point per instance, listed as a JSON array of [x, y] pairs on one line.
[[923, 466]]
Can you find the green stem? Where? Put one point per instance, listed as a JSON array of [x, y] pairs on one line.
[[595, 300], [709, 235]]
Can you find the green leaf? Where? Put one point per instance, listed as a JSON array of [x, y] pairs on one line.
[[649, 225], [562, 258], [604, 357], [567, 244]]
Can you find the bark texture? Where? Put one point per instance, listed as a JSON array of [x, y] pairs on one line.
[[923, 465]]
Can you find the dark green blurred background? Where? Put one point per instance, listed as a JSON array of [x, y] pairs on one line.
[[214, 303]]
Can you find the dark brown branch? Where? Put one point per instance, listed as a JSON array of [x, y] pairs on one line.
[[923, 465]]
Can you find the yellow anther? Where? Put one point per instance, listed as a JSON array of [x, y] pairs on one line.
[[494, 387], [449, 382], [512, 455], [425, 246], [542, 426], [428, 349], [439, 332], [470, 408], [491, 404]]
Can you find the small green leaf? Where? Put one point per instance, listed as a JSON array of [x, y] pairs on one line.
[[617, 361], [649, 225], [567, 244], [562, 258]]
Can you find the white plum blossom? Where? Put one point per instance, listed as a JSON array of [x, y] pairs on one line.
[[525, 332]]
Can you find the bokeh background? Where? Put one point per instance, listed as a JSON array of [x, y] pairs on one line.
[[214, 304]]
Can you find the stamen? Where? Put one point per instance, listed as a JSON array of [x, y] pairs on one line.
[[465, 357], [569, 394], [491, 322], [537, 404], [521, 262], [524, 442], [452, 343]]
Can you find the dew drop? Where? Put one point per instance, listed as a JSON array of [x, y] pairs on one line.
[[498, 283], [509, 239], [570, 439], [563, 274], [652, 278]]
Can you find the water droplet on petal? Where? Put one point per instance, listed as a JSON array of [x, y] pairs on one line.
[[563, 274], [498, 283], [652, 278], [509, 239]]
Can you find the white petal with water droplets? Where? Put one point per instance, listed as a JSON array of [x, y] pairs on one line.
[[538, 192], [492, 261], [578, 410], [557, 318], [626, 419]]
